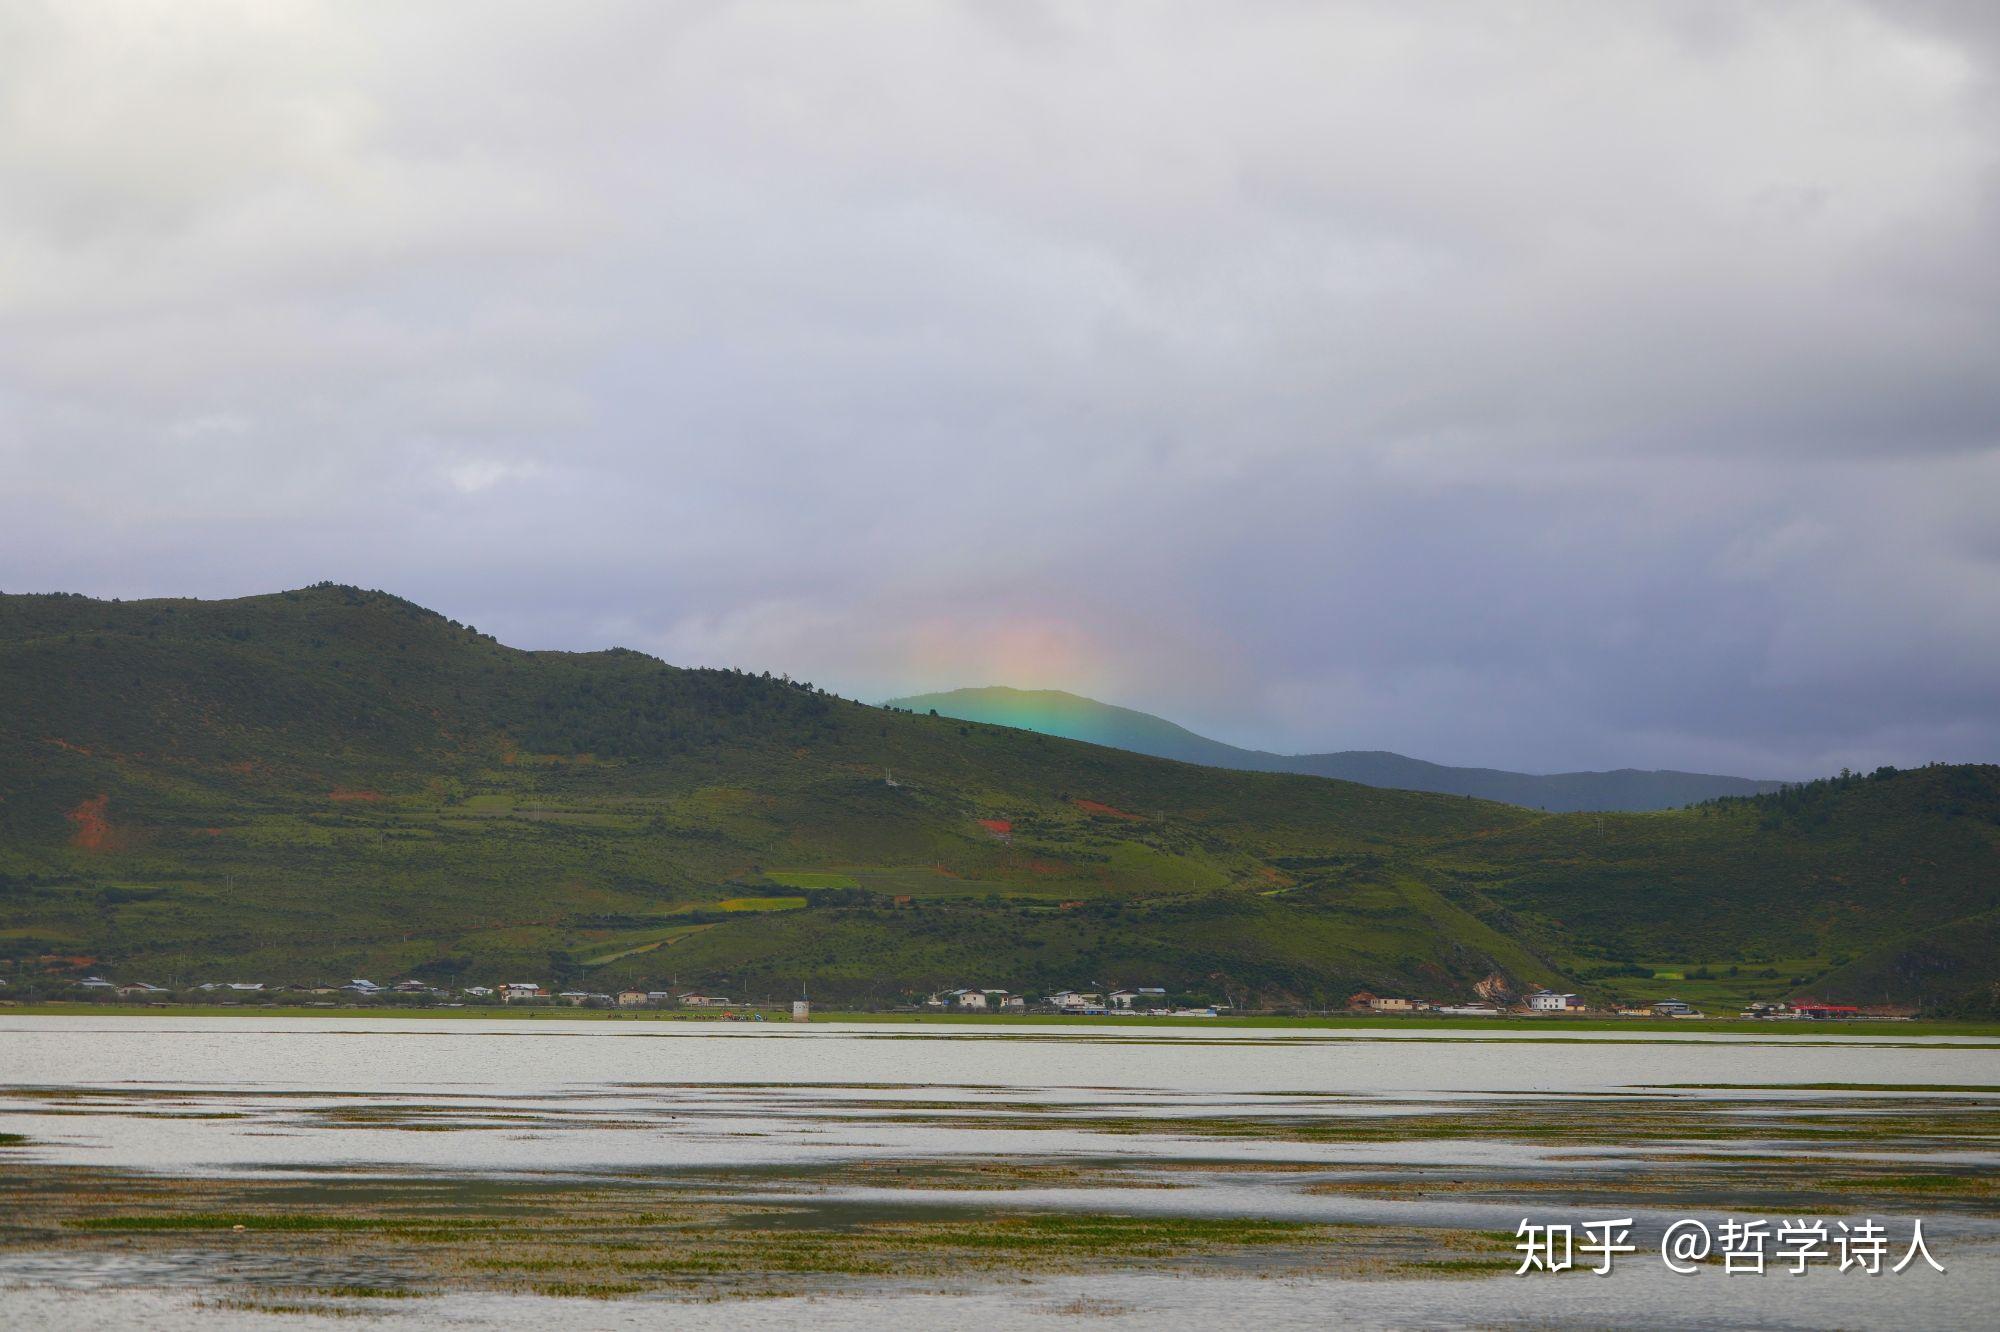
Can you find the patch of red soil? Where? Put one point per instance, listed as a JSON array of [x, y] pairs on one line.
[[213, 832], [1047, 867], [64, 744], [345, 793], [946, 872], [998, 827], [93, 829], [1109, 811]]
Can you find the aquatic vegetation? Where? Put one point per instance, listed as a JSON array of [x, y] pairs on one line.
[[233, 1221], [1078, 1156], [607, 1242]]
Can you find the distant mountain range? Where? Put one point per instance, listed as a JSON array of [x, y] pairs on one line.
[[1054, 712]]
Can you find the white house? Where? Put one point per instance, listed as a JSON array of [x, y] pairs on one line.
[[1131, 999], [703, 1001], [1548, 1001], [1072, 1001], [515, 991]]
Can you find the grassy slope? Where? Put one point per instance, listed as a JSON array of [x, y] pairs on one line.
[[1825, 886], [328, 781]]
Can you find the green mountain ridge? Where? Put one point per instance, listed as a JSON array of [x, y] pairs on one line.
[[1056, 712], [331, 782]]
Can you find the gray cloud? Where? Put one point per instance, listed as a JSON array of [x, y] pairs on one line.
[[1545, 386]]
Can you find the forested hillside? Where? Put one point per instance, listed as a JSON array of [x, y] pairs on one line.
[[330, 782]]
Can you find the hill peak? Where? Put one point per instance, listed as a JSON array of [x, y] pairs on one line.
[[1058, 712]]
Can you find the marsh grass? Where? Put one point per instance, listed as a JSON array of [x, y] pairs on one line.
[[332, 1240], [281, 1308], [425, 1237]]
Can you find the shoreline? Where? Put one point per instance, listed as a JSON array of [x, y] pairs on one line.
[[779, 1016]]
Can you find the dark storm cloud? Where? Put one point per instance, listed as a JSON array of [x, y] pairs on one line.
[[1544, 386]]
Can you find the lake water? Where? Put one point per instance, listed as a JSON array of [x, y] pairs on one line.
[[754, 1111]]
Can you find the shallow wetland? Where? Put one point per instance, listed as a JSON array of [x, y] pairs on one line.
[[197, 1172]]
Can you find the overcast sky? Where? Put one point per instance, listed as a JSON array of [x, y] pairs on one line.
[[1535, 385]]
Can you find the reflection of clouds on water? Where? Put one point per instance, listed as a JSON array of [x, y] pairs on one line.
[[1455, 1131], [1638, 1295], [223, 1094]]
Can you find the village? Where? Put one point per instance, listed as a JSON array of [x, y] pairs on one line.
[[417, 993], [1552, 1003], [406, 993], [1146, 1001], [1137, 1001]]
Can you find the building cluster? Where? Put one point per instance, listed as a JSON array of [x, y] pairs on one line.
[[510, 992], [1139, 1001], [1554, 1001], [1144, 1001], [1536, 1004], [1812, 1010]]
